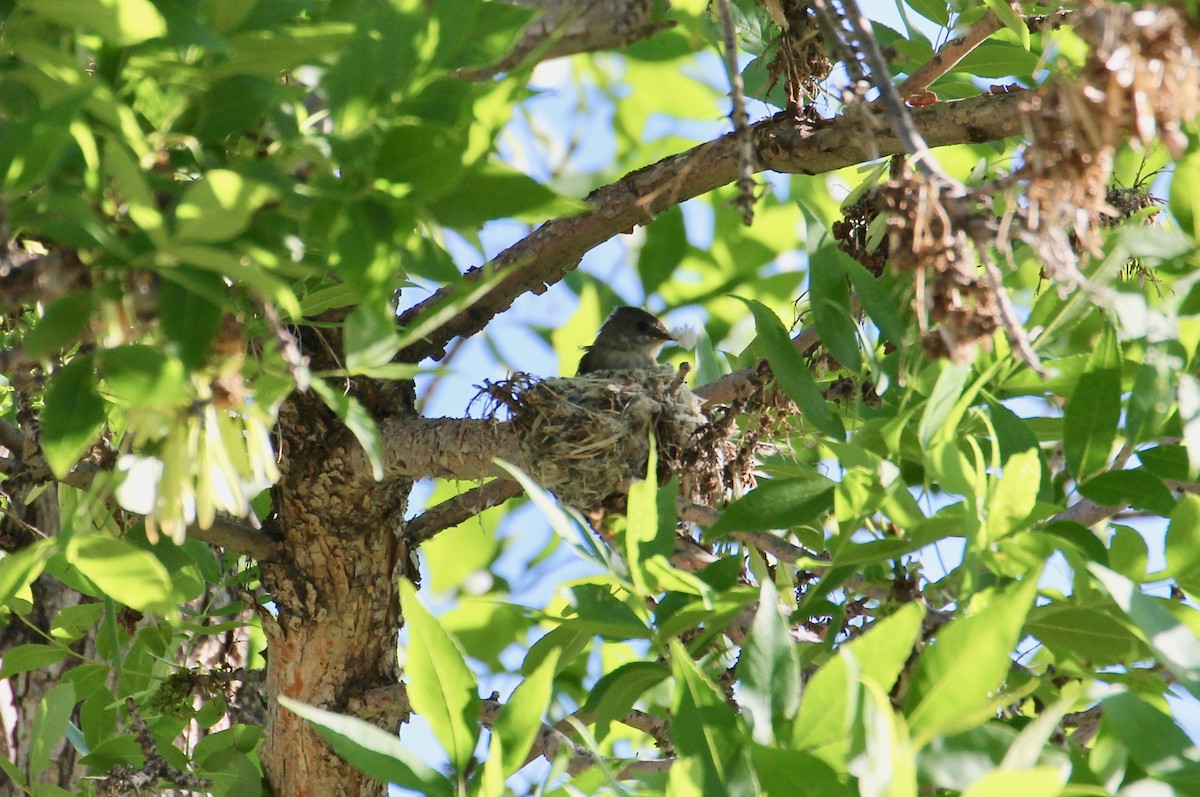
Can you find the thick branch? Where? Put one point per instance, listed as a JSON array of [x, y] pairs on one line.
[[546, 255], [449, 448]]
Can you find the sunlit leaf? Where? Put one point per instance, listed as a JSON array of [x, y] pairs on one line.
[[440, 686], [129, 574], [372, 750]]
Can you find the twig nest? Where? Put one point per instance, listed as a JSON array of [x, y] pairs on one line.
[[585, 438]]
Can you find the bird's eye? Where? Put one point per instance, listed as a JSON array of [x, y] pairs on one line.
[[643, 326]]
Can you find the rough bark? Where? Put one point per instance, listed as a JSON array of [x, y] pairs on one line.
[[334, 632], [26, 690]]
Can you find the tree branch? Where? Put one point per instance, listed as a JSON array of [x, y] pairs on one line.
[[950, 55], [551, 251], [449, 448], [1088, 513], [238, 537], [452, 511], [960, 47], [12, 439]]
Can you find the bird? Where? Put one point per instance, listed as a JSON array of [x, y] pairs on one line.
[[630, 340]]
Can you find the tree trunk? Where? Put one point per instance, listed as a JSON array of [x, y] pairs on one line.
[[337, 613], [50, 596]]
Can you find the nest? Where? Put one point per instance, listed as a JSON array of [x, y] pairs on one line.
[[587, 437]]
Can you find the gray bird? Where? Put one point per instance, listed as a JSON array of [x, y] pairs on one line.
[[630, 340]]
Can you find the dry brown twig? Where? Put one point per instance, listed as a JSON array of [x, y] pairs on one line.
[[741, 122]]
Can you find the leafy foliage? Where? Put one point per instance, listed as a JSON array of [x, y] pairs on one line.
[[968, 565]]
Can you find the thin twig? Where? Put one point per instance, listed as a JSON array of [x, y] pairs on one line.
[[1018, 338], [452, 511], [742, 383], [949, 56], [737, 115], [1088, 513], [897, 112], [234, 536]]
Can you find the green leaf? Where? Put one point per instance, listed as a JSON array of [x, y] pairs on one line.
[[1182, 545], [73, 622], [73, 415], [499, 192], [1094, 635], [127, 574], [1185, 194], [1128, 553], [520, 718], [1014, 495], [1036, 782], [1154, 741], [1150, 400], [219, 206], [50, 725], [18, 570], [142, 206], [364, 251], [935, 10], [641, 523], [370, 337], [357, 420], [777, 504], [119, 22], [15, 773], [422, 161], [787, 773], [62, 326], [1090, 422], [666, 244], [955, 681], [440, 686], [372, 750], [32, 149], [602, 612], [704, 728], [268, 52], [114, 751], [829, 294], [1175, 644], [999, 59], [188, 313], [878, 656], [876, 300], [142, 376], [24, 658], [883, 756], [1011, 19], [1138, 488], [239, 270], [791, 371], [1166, 462], [942, 401], [769, 669], [616, 692]]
